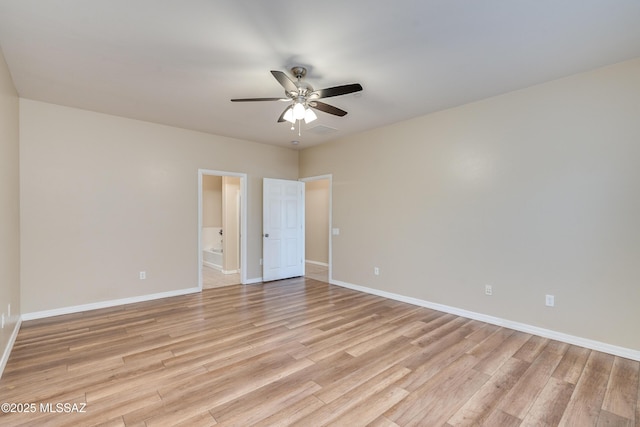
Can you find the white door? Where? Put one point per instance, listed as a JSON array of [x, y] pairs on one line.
[[282, 229]]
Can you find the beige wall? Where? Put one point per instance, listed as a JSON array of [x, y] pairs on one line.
[[9, 205], [211, 201], [534, 192], [105, 197], [317, 221]]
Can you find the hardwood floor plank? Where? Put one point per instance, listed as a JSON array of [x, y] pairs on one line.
[[452, 324], [410, 314], [431, 327], [137, 381], [116, 422], [234, 380], [430, 360], [479, 407], [620, 397], [290, 414], [394, 334], [495, 358], [412, 406], [92, 365], [183, 417], [458, 390], [524, 393], [486, 347], [11, 380], [365, 412], [362, 369], [343, 341], [607, 419], [550, 404], [585, 404], [483, 332], [303, 352], [114, 406], [502, 419], [339, 327], [138, 416], [329, 412], [382, 422], [329, 313], [572, 364], [263, 403], [531, 349]]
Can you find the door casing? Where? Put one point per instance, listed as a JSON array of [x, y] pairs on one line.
[[243, 221]]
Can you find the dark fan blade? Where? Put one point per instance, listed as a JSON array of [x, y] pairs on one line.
[[285, 81], [255, 99], [327, 108], [338, 90]]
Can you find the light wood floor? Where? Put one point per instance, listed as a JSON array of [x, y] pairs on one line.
[[306, 353], [212, 278]]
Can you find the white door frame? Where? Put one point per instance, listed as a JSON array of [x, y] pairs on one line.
[[243, 221], [330, 178]]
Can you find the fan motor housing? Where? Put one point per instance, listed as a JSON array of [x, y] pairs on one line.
[[299, 72]]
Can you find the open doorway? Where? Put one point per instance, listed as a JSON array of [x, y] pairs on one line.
[[318, 228], [222, 220]]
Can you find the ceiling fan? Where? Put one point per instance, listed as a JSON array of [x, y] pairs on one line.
[[304, 98]]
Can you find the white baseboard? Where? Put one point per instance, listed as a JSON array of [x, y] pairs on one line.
[[9, 347], [106, 304], [219, 268], [324, 264], [523, 327], [212, 265]]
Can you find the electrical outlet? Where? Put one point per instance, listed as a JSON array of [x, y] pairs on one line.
[[143, 275], [488, 290], [549, 300], [376, 271]]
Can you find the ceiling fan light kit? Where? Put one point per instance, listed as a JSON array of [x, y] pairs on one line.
[[298, 110], [304, 98]]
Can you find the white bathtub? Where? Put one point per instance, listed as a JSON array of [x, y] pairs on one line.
[[213, 258]]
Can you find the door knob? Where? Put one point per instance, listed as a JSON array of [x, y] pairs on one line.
[[266, 235]]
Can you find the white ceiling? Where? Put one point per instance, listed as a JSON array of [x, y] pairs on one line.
[[179, 62]]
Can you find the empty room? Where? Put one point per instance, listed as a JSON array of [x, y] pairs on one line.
[[266, 213]]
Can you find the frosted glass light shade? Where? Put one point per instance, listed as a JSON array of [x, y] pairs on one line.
[[298, 111], [309, 116], [288, 115]]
